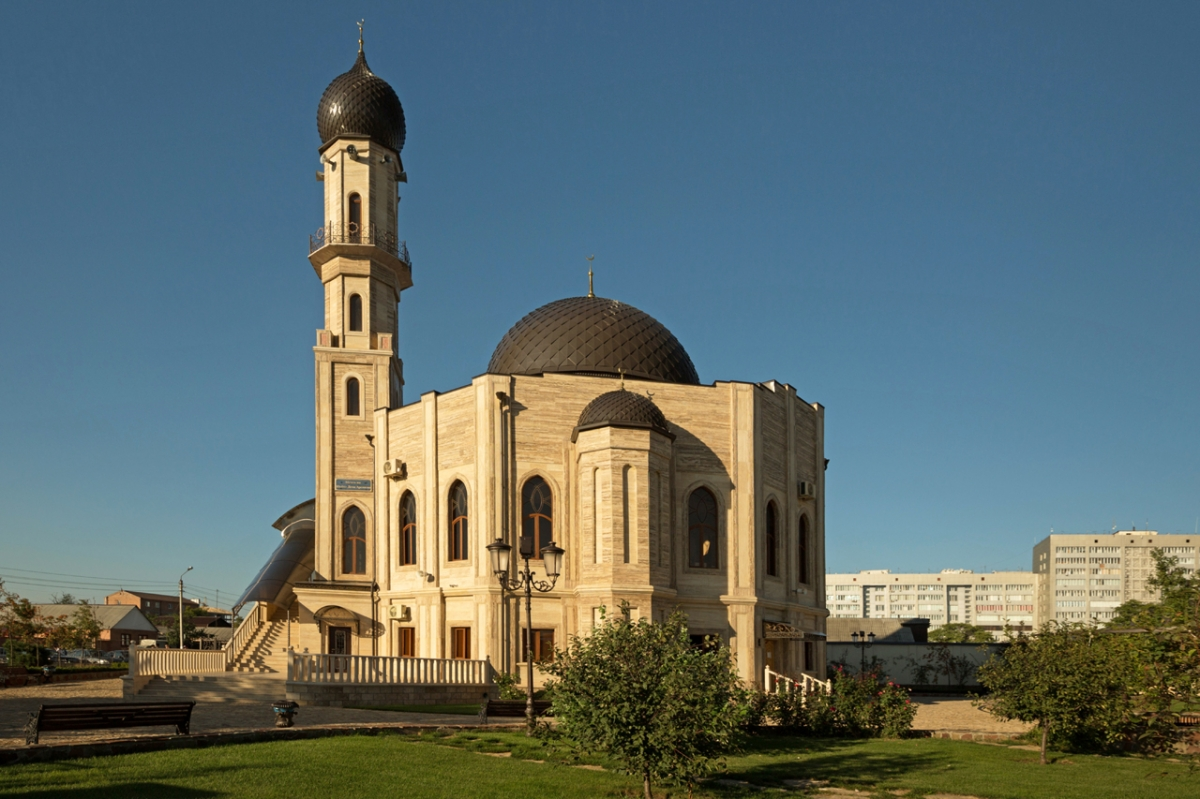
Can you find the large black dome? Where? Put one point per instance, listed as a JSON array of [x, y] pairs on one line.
[[592, 335], [359, 102]]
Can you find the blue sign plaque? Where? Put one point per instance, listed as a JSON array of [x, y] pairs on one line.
[[351, 485]]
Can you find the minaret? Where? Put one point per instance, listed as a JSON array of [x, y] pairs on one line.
[[363, 266]]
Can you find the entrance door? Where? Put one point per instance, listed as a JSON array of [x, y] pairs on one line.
[[769, 654], [339, 644]]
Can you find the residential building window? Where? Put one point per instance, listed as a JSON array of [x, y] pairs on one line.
[[772, 539], [803, 550], [408, 529], [458, 521], [353, 406], [354, 541], [702, 530], [460, 643], [408, 642], [354, 229], [356, 313], [126, 639], [537, 513], [543, 645]]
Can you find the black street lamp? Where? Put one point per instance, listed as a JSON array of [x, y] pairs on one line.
[[552, 555], [863, 641]]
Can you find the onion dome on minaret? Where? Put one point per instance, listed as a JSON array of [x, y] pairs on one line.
[[623, 408], [360, 103]]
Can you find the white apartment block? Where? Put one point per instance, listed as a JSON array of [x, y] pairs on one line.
[[990, 600], [1086, 577]]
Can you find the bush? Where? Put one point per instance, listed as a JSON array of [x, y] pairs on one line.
[[509, 685], [857, 706]]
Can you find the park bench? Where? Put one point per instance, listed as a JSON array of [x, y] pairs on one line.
[[512, 708], [56, 718]]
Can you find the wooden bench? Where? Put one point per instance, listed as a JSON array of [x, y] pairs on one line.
[[511, 708], [56, 718]]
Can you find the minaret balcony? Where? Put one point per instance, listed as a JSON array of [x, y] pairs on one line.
[[333, 240]]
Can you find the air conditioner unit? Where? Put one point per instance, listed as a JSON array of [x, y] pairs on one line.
[[807, 489], [395, 469], [400, 612]]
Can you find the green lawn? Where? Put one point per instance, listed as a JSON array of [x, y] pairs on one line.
[[435, 765]]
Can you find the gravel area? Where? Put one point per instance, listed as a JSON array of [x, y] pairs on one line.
[[17, 703], [955, 713]]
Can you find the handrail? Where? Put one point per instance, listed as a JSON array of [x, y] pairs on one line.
[[352, 233], [773, 681], [305, 667], [245, 631], [152, 661]]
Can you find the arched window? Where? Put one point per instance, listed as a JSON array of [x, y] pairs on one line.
[[408, 529], [458, 521], [772, 540], [702, 529], [354, 228], [355, 313], [354, 541], [537, 514], [353, 406], [803, 549]]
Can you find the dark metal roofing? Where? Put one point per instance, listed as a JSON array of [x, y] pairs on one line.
[[290, 563], [361, 103], [623, 409], [596, 336]]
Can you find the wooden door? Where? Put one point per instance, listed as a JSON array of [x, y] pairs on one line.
[[769, 656]]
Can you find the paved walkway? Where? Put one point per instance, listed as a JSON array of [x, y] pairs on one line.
[[17, 703], [955, 714]]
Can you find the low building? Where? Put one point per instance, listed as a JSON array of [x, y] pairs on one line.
[[155, 606], [120, 625], [1085, 577], [951, 596]]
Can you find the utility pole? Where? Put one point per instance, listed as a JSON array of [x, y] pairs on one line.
[[188, 569]]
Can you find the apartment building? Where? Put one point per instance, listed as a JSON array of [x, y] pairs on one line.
[[1086, 577], [991, 601]]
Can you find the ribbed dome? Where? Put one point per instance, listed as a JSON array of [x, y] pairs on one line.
[[623, 409], [361, 103], [592, 335]]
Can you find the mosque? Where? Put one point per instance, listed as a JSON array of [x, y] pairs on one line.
[[589, 428]]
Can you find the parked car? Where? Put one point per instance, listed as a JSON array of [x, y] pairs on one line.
[[118, 656]]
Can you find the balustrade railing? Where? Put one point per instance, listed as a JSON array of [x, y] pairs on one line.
[[352, 233], [154, 661], [774, 681], [244, 633], [306, 667]]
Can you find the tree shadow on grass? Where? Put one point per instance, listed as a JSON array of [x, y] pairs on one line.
[[841, 762], [124, 790]]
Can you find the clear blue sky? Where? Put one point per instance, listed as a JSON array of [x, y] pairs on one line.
[[969, 230]]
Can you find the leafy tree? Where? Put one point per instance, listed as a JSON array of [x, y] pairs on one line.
[[63, 599], [641, 693], [1076, 684], [960, 633], [190, 634], [83, 629]]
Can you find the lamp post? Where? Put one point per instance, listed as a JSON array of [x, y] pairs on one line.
[[185, 571], [501, 554], [863, 641]]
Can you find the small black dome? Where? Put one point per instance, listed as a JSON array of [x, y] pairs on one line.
[[592, 335], [623, 409], [361, 103]]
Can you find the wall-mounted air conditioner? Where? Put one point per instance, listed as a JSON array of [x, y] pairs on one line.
[[807, 490], [395, 469], [400, 612]]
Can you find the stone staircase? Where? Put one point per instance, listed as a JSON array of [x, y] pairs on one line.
[[265, 652], [215, 688]]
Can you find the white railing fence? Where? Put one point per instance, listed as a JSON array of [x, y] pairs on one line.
[[152, 661], [306, 667], [773, 681], [244, 633]]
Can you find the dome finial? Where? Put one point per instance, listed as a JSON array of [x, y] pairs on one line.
[[590, 292], [360, 29]]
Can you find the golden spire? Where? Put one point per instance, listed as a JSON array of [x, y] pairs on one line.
[[590, 292], [360, 29]]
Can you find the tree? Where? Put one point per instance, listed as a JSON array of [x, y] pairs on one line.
[[63, 599], [641, 693], [960, 633], [1076, 684], [83, 630], [190, 634]]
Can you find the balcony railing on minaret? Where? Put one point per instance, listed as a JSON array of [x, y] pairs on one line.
[[354, 234]]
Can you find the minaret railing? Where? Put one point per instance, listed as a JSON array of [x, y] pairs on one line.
[[352, 233]]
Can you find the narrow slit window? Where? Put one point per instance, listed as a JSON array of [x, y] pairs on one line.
[[354, 541], [772, 542], [354, 227], [702, 530], [353, 403], [408, 530], [356, 313], [458, 521], [803, 547]]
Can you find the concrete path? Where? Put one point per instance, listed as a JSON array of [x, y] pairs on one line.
[[955, 714], [17, 703]]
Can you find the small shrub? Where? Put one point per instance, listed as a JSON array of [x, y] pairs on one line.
[[858, 706]]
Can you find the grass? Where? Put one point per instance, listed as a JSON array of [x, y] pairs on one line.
[[441, 765], [454, 710]]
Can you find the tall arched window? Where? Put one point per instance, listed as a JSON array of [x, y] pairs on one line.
[[803, 549], [353, 406], [537, 514], [356, 313], [702, 529], [458, 521], [354, 228], [354, 541], [772, 542], [408, 529]]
